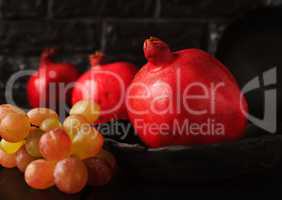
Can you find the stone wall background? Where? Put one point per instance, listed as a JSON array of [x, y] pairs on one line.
[[116, 27]]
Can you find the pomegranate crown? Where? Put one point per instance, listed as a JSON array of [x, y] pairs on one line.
[[96, 58], [156, 51]]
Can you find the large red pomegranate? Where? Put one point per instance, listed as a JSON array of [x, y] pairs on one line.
[[106, 85], [183, 98], [48, 86]]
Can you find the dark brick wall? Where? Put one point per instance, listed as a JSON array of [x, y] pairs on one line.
[[117, 27]]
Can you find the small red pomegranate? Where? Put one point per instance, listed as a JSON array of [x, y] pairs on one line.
[[183, 98], [47, 87], [105, 84]]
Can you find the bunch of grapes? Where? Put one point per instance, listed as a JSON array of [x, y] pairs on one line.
[[69, 155]]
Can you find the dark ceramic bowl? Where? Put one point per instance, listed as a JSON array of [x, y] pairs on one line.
[[255, 154]]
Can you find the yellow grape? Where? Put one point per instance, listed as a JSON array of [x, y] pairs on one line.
[[88, 109], [99, 172], [108, 157], [50, 124], [87, 142], [11, 147], [39, 174], [23, 159], [6, 108], [14, 127], [55, 144], [70, 175], [32, 143], [38, 115], [73, 123], [7, 160]]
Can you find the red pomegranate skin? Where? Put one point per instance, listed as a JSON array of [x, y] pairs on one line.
[[180, 70], [50, 72], [106, 85]]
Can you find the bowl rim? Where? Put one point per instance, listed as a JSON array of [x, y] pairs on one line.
[[177, 148]]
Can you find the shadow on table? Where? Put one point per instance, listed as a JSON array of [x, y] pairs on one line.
[[13, 187]]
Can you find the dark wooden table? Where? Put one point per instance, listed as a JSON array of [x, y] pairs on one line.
[[13, 187]]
